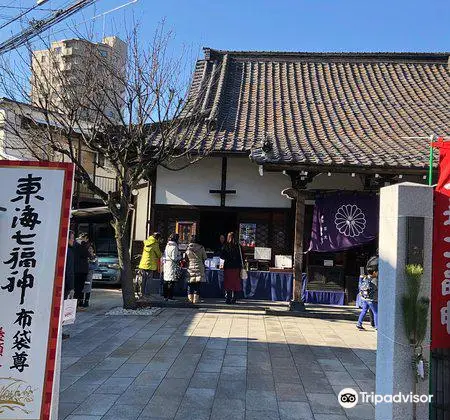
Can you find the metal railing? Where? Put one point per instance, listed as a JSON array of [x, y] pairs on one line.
[[106, 184]]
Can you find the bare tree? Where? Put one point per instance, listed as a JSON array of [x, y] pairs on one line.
[[136, 112]]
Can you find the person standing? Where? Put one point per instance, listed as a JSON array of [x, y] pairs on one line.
[[232, 255], [81, 266], [368, 291], [196, 256], [69, 281], [149, 261], [171, 266], [222, 241], [93, 265]]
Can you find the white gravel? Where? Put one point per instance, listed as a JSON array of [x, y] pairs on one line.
[[141, 311]]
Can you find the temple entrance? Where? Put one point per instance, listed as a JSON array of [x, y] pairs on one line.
[[215, 223]]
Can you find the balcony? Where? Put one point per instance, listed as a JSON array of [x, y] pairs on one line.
[[106, 184]]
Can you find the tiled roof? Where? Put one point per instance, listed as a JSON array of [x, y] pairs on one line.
[[351, 109]]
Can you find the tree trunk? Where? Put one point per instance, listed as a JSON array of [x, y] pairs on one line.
[[126, 273]]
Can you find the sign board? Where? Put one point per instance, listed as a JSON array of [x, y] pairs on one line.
[[35, 201], [440, 285], [263, 253]]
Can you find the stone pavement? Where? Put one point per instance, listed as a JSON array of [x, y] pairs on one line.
[[212, 364]]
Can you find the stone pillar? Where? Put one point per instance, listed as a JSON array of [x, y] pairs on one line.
[[398, 205]]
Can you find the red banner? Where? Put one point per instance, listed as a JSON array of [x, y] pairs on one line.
[[440, 293]]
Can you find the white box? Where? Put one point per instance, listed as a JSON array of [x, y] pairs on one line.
[[283, 261]]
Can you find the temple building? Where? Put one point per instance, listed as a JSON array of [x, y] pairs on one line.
[[300, 145]]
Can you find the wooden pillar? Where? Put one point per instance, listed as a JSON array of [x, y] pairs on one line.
[[297, 301]]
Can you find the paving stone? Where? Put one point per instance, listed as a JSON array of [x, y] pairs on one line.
[[324, 403], [172, 387], [231, 390], [361, 412], [77, 393], [95, 376], [329, 417], [261, 415], [65, 409], [115, 386], [123, 412], [66, 381], [96, 405], [83, 417], [138, 396], [340, 378], [210, 366], [111, 363], [233, 373], [188, 412], [260, 400], [235, 360], [130, 370], [205, 380], [202, 398], [290, 410], [260, 382], [161, 407], [333, 365], [146, 377], [291, 392]]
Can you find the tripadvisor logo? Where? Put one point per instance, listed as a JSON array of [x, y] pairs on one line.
[[348, 398]]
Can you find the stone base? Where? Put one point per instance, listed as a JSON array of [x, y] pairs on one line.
[[297, 306]]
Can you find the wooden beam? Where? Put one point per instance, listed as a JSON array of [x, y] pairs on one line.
[[297, 301]]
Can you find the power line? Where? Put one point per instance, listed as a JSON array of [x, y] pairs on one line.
[[20, 15], [36, 27]]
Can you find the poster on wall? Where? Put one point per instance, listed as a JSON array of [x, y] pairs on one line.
[[186, 230], [440, 284], [247, 234], [35, 201]]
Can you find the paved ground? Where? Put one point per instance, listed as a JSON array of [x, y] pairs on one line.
[[212, 364]]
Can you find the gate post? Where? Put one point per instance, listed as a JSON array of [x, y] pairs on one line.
[[406, 231]]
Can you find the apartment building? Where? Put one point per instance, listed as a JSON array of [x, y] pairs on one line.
[[75, 74]]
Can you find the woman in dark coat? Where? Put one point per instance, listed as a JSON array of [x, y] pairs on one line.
[[81, 266], [232, 255]]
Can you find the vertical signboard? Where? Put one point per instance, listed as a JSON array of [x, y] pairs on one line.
[[440, 293], [35, 200]]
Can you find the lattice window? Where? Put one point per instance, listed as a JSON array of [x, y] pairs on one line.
[[280, 238], [262, 234]]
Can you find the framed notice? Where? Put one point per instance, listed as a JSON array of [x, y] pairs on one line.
[[247, 234], [35, 201], [186, 230]]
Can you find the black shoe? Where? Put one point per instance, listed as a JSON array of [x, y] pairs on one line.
[[86, 304], [360, 327], [65, 336], [233, 300]]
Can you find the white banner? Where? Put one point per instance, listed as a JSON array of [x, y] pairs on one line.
[[34, 217]]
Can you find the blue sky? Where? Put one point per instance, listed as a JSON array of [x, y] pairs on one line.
[[302, 25], [285, 25]]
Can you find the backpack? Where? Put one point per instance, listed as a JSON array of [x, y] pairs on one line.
[[367, 289]]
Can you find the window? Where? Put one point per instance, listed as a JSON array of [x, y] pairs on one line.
[[43, 58], [103, 53], [100, 160], [57, 50]]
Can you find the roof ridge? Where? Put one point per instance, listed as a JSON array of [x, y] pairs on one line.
[[211, 53]]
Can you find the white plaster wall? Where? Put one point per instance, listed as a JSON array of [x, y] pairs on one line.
[[191, 186], [254, 190]]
